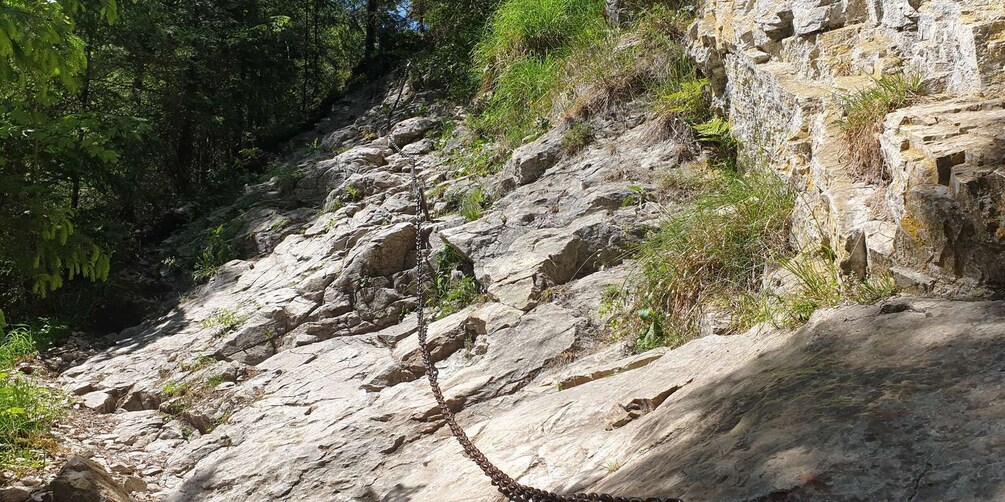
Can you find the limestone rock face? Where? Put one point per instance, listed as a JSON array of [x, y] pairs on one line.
[[778, 67]]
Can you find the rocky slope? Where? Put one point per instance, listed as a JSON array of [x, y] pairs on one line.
[[295, 375]]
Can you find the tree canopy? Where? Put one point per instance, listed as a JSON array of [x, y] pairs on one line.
[[113, 113]]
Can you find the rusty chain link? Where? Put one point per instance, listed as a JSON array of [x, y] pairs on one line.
[[506, 485]]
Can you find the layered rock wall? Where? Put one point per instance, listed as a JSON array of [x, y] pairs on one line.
[[780, 69]]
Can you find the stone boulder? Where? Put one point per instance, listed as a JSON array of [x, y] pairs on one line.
[[530, 161], [410, 130], [83, 480]]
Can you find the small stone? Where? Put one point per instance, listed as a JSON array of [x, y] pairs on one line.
[[98, 401], [121, 468], [134, 484], [14, 494], [80, 388], [152, 471]]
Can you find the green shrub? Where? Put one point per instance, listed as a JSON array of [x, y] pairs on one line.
[[543, 61], [683, 98], [217, 250], [864, 111], [27, 412], [709, 254], [456, 287], [473, 204], [576, 137]]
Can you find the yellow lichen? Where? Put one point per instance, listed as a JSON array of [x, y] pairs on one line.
[[912, 227]]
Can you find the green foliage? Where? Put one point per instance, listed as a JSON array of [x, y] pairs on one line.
[[820, 285], [536, 28], [864, 111], [23, 341], [224, 320], [456, 288], [27, 410], [707, 254], [577, 136], [625, 63], [541, 61], [453, 28], [473, 203], [286, 178], [176, 388], [112, 113], [714, 135], [217, 249], [213, 381], [520, 100], [480, 158], [686, 99]]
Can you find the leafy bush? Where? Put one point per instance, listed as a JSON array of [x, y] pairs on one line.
[[27, 410], [456, 287], [709, 254], [217, 249], [473, 203], [576, 137], [864, 111]]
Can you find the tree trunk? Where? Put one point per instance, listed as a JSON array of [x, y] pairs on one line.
[[371, 32]]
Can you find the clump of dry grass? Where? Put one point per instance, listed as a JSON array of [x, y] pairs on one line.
[[864, 111]]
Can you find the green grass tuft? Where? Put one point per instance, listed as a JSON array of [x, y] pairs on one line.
[[576, 137], [456, 288], [27, 410], [864, 111], [708, 254], [473, 203]]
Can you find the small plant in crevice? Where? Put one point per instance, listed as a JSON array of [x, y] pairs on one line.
[[353, 194], [286, 178], [476, 158], [864, 111], [456, 287], [217, 249], [576, 137], [223, 320], [820, 285], [715, 136], [473, 203]]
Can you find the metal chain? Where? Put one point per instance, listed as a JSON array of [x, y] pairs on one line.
[[506, 485]]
